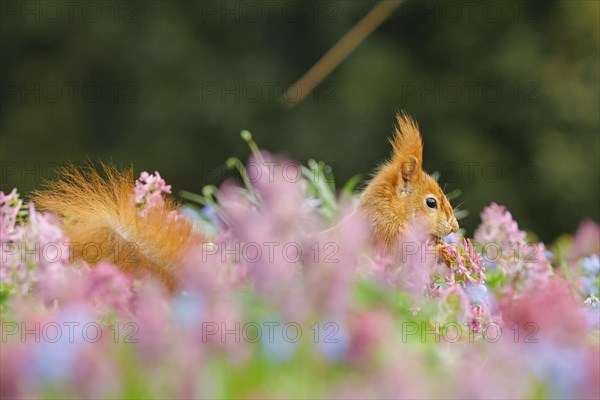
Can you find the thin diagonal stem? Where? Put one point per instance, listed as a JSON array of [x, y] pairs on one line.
[[339, 52]]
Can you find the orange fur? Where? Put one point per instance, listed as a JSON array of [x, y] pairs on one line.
[[102, 222], [396, 194]]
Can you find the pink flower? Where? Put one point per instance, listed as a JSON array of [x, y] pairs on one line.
[[465, 265], [109, 288], [368, 330], [10, 205], [33, 246], [331, 265], [417, 258], [524, 264], [550, 309], [149, 189], [585, 242]]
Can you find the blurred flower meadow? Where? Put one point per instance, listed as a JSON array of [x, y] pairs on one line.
[[279, 303]]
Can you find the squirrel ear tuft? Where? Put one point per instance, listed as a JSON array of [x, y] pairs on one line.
[[407, 141], [410, 169]]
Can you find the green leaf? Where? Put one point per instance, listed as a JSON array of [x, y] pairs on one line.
[[453, 194], [351, 184], [196, 198], [460, 214]]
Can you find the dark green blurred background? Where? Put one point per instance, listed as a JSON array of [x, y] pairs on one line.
[[506, 93]]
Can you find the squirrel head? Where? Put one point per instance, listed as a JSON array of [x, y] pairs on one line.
[[401, 192]]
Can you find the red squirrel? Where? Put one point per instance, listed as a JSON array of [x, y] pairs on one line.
[[400, 192], [102, 220]]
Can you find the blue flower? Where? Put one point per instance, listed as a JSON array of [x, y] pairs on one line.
[[190, 214], [479, 294], [205, 220], [210, 213], [450, 238], [489, 264], [593, 317], [57, 354], [311, 203], [591, 264], [333, 340], [278, 340], [189, 308], [589, 279], [554, 365], [592, 312], [589, 285]]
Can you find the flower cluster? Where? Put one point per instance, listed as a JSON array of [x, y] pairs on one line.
[[149, 189], [32, 244], [464, 278], [466, 266], [523, 265], [275, 299]]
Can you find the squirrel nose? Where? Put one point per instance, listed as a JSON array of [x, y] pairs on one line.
[[454, 224]]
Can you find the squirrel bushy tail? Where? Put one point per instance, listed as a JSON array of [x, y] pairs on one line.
[[103, 222]]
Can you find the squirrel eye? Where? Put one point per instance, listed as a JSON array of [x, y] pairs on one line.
[[431, 202]]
